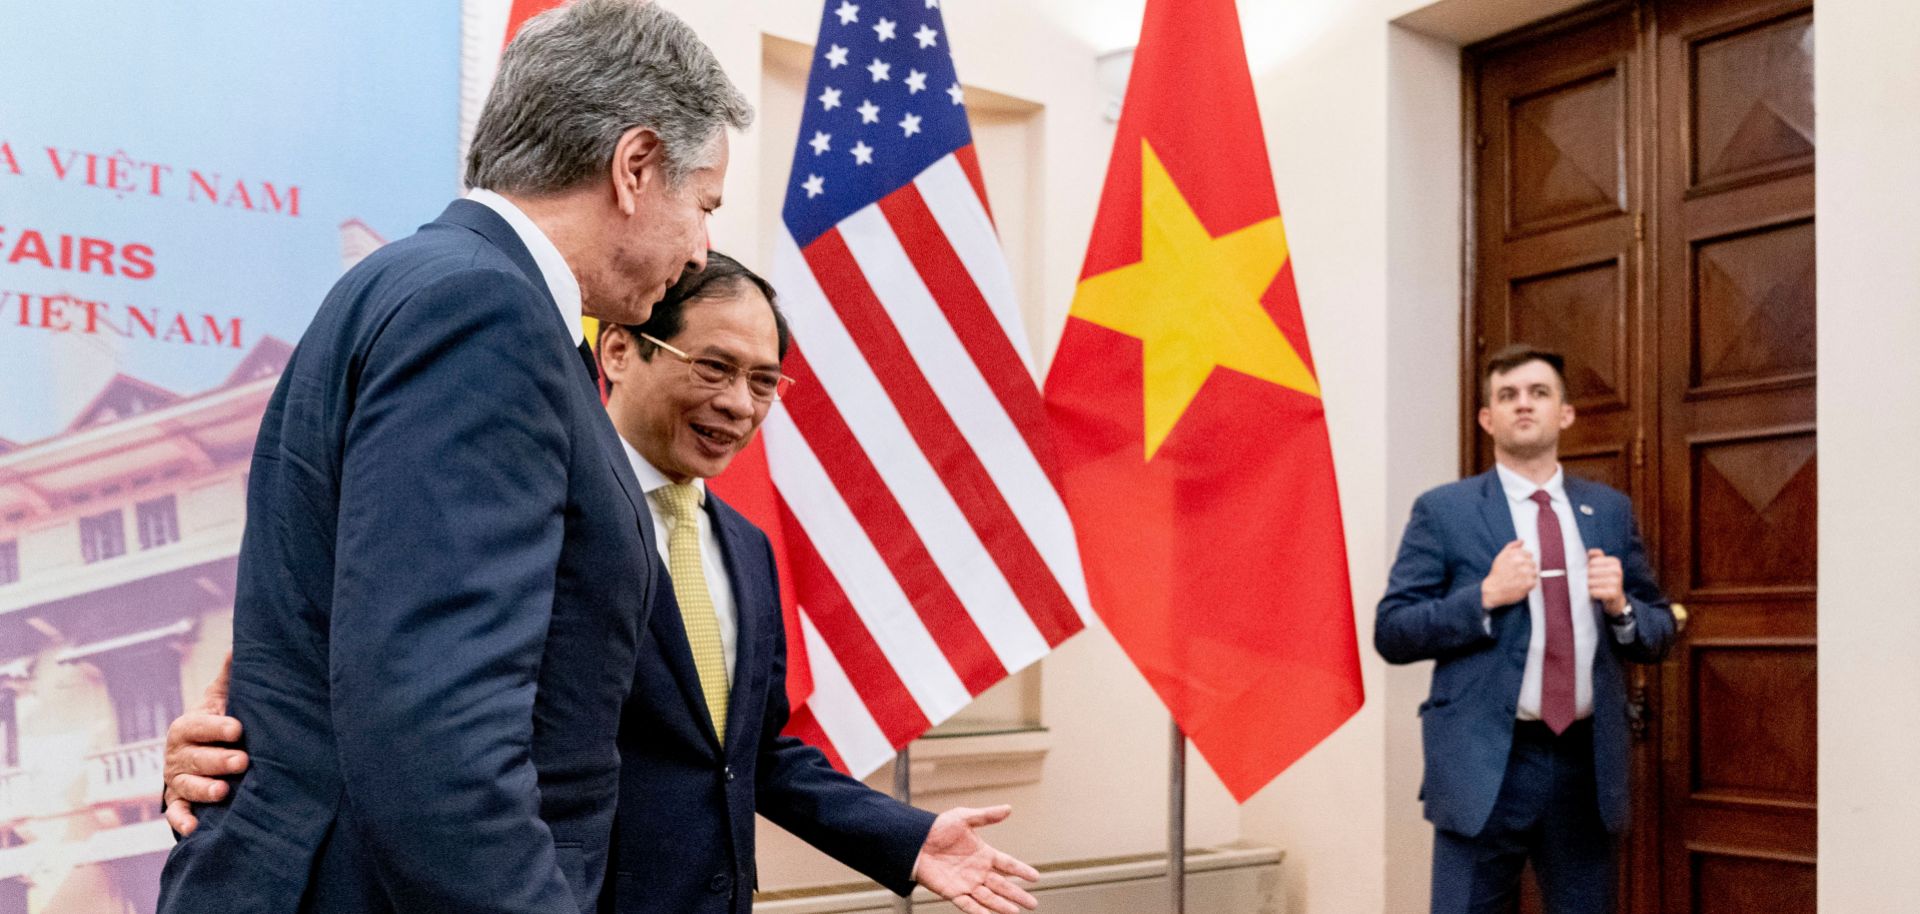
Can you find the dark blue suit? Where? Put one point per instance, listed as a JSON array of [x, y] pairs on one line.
[[686, 833], [428, 661], [1432, 611]]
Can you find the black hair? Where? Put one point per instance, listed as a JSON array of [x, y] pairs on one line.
[[721, 276], [1518, 354]]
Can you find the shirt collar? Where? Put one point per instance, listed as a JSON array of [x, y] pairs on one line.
[[1519, 488], [553, 267], [651, 479]]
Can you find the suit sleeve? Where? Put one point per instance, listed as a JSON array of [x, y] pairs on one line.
[[847, 820], [1653, 626], [1425, 613], [453, 488]]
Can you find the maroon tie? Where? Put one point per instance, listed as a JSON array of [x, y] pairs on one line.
[[1556, 670]]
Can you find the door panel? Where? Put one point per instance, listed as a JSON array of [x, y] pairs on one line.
[[1752, 501], [1747, 330], [1563, 140], [1750, 103]]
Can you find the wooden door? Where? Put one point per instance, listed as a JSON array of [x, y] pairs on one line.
[[1642, 201], [1734, 223]]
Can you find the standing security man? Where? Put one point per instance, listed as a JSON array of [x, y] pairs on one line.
[[1529, 588]]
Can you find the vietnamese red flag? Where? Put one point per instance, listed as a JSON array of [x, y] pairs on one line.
[[1188, 419]]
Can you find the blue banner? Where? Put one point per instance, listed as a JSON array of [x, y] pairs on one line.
[[180, 183]]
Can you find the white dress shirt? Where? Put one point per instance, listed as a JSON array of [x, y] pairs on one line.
[[553, 267], [719, 586], [1586, 633]]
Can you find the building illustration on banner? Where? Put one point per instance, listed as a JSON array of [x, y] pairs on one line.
[[118, 545]]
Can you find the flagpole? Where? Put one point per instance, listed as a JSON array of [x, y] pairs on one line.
[[1177, 821], [903, 791]]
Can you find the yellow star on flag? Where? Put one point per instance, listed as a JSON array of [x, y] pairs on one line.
[[1193, 300]]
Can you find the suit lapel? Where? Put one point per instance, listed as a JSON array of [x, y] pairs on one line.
[[1499, 518], [735, 552], [1494, 510], [1583, 516], [670, 633], [623, 474]]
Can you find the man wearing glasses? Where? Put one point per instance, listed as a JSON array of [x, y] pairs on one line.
[[700, 743]]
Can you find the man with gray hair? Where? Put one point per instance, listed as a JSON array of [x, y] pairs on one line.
[[428, 661]]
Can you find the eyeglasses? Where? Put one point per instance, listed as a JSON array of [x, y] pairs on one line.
[[764, 386]]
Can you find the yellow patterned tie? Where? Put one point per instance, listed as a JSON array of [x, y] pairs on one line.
[[696, 602]]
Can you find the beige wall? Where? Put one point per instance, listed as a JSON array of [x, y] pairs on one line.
[[1867, 90], [1422, 418]]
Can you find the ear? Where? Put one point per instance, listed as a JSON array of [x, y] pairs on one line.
[[639, 160], [617, 354], [1566, 416], [1486, 420]]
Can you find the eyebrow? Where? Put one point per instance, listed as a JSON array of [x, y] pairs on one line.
[[711, 351]]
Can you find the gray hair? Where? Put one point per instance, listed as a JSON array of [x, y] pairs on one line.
[[578, 77]]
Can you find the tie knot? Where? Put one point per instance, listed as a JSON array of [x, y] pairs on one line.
[[681, 500], [1541, 497]]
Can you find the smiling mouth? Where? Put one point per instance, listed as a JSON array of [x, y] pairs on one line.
[[718, 437]]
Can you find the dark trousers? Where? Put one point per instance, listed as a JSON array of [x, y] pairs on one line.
[[1547, 812]]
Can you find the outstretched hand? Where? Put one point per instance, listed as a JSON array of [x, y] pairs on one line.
[[199, 752], [958, 865]]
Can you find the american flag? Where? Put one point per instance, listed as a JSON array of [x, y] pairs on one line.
[[929, 548]]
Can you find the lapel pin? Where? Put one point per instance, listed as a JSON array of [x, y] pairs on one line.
[[1587, 510]]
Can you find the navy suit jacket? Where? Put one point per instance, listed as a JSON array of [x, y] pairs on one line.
[[686, 832], [428, 663], [1432, 612]]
